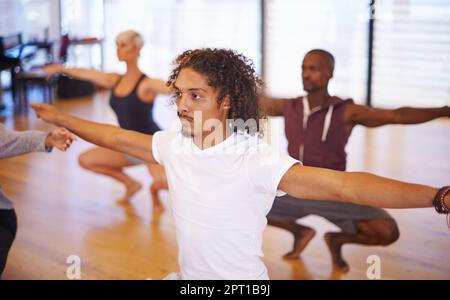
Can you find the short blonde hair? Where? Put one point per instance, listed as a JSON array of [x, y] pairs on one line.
[[133, 36]]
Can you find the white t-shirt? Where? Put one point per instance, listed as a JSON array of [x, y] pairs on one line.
[[220, 197]]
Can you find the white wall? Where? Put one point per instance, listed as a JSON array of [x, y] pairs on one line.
[[30, 17]]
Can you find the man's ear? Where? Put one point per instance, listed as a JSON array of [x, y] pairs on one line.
[[330, 73]]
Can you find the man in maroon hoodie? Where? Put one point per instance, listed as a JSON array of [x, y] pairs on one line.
[[317, 128]]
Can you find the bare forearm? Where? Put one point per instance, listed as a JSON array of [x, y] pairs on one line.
[[103, 135], [369, 189], [84, 74], [271, 106], [126, 141], [359, 188], [409, 115], [94, 76]]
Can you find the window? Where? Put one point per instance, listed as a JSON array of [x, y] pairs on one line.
[[30, 17], [411, 53], [295, 27], [83, 19], [170, 27]]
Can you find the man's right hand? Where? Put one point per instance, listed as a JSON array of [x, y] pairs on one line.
[[46, 112]]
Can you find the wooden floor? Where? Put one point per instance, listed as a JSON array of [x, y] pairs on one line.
[[64, 210]]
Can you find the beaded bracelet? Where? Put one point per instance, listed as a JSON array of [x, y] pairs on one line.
[[439, 203]]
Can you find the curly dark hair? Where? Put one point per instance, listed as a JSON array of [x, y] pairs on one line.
[[233, 75]]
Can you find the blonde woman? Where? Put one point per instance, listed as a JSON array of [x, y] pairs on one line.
[[132, 98]]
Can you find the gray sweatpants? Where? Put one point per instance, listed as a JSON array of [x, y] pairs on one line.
[[343, 214]]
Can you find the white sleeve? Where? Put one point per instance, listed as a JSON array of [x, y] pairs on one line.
[[156, 142], [266, 168]]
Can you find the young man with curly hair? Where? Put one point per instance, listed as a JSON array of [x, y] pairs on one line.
[[222, 177]]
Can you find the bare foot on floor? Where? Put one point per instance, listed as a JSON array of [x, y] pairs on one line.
[[339, 264], [302, 237], [157, 206], [131, 190], [156, 202]]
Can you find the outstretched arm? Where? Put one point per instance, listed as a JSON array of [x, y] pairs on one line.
[[373, 117], [151, 88], [156, 86], [126, 141], [359, 188], [271, 106], [106, 80]]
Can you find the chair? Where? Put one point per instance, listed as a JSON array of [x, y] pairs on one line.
[[36, 77], [13, 53]]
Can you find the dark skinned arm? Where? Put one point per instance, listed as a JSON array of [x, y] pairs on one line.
[[271, 106], [374, 117]]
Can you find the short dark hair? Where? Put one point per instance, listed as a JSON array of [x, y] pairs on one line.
[[325, 54], [232, 74]]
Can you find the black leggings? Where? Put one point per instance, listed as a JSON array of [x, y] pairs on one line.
[[8, 229]]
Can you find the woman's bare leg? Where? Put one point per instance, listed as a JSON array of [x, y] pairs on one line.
[[110, 163], [159, 182]]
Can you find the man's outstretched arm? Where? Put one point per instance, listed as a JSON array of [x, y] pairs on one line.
[[271, 106], [359, 188], [126, 141], [374, 117]]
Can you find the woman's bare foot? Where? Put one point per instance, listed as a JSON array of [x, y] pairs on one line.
[[339, 264], [156, 202], [302, 236], [132, 189], [157, 206]]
